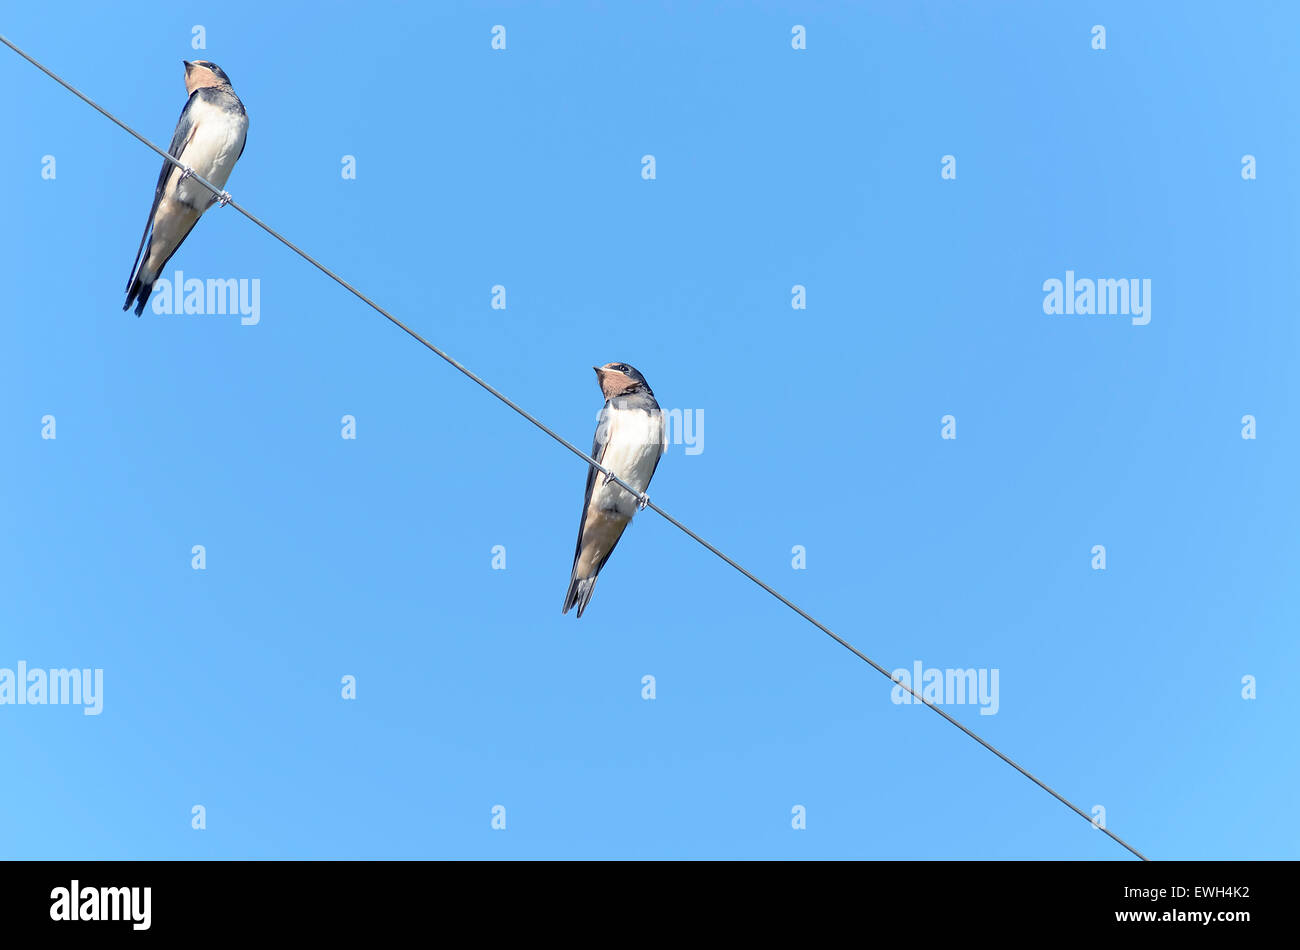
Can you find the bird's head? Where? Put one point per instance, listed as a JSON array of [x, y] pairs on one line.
[[200, 73], [620, 379]]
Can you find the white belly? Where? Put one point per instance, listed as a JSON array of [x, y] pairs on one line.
[[217, 141], [636, 440]]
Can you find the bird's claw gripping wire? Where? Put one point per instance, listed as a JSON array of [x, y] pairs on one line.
[[642, 499], [222, 198]]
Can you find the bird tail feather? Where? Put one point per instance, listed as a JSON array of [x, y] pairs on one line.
[[579, 595], [138, 289], [138, 293]]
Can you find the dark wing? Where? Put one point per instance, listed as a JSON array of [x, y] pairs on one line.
[[244, 113], [180, 138], [598, 445], [663, 435]]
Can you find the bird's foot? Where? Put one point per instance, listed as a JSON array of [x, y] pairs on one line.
[[186, 172], [223, 198], [609, 477], [641, 501]]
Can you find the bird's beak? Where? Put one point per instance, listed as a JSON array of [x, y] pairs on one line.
[[600, 370], [188, 65]]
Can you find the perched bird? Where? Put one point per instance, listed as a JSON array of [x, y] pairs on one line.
[[209, 139], [630, 438]]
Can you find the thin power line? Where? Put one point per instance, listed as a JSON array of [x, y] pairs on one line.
[[643, 499]]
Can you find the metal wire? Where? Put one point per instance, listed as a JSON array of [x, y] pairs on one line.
[[643, 499]]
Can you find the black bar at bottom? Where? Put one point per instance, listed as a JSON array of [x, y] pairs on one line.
[[660, 900]]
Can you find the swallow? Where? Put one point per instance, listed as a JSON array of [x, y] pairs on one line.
[[209, 139], [630, 438]]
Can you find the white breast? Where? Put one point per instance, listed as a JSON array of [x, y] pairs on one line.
[[636, 440], [217, 141]]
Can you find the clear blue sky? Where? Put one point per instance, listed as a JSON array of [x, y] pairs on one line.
[[373, 557]]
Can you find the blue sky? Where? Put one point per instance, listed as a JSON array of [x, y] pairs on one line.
[[821, 427]]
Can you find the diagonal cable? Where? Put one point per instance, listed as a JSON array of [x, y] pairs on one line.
[[610, 476]]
